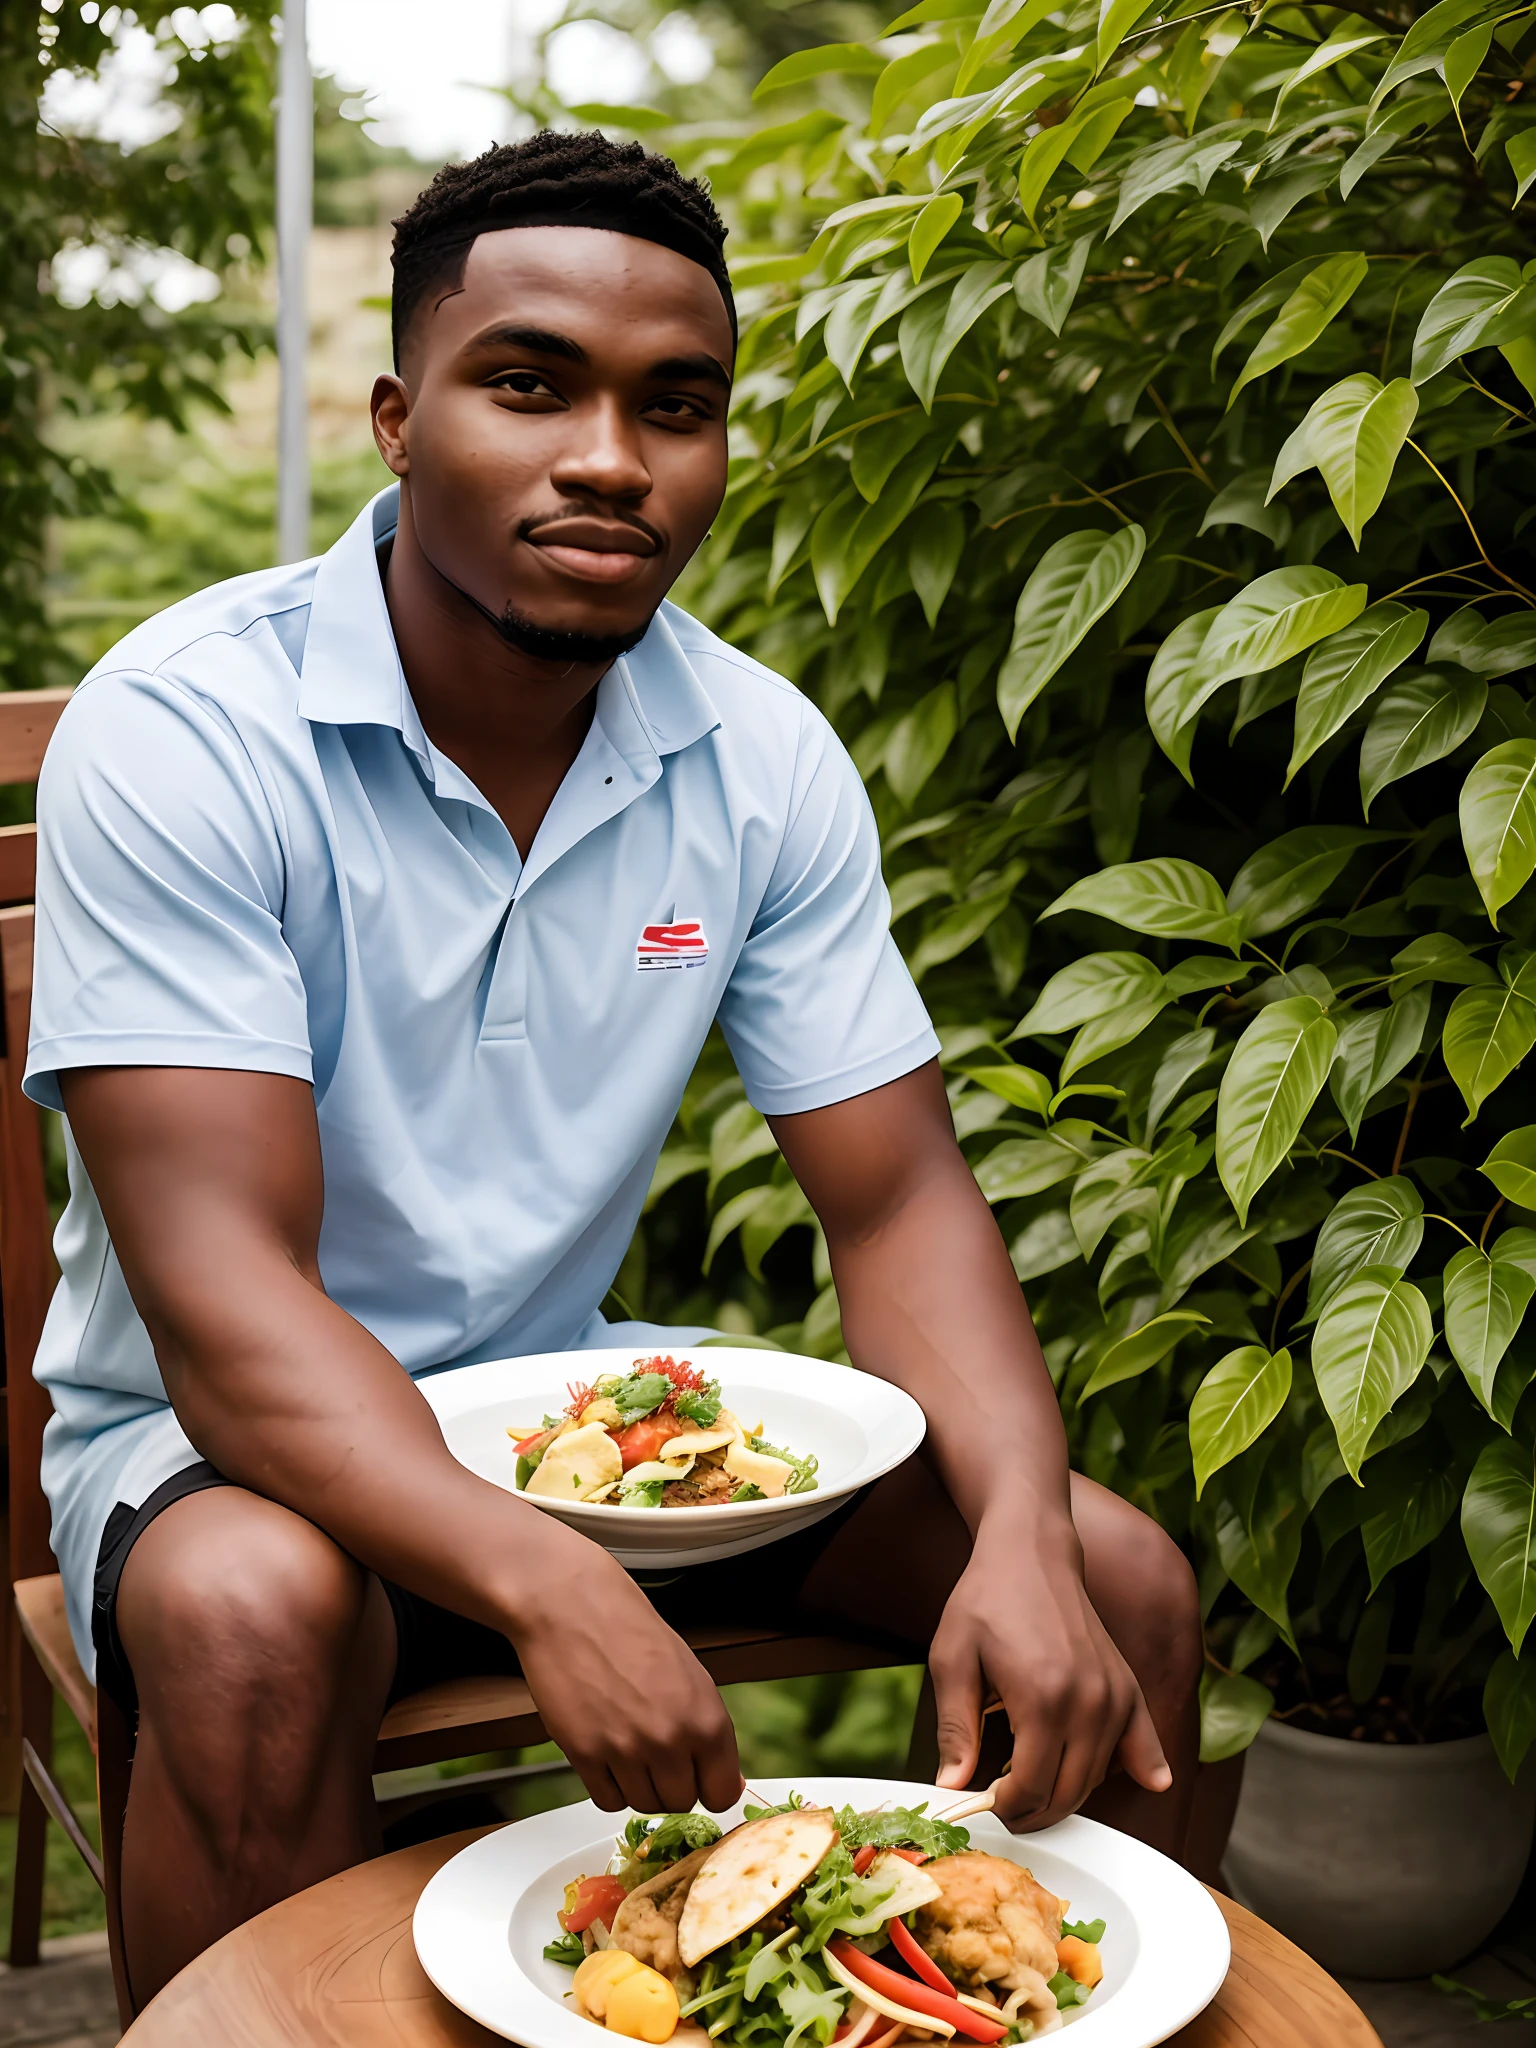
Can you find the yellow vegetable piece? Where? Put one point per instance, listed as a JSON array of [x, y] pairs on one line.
[[643, 2006], [1080, 1960], [597, 1976]]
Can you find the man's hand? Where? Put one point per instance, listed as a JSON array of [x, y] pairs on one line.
[[624, 1697], [929, 1299], [1019, 1627]]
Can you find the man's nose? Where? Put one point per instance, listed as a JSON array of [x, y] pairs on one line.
[[601, 456]]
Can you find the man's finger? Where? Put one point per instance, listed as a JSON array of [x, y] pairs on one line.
[[1037, 1755], [1141, 1752], [957, 1698], [719, 1773], [676, 1780], [602, 1787]]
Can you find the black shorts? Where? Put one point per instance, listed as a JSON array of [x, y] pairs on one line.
[[433, 1644]]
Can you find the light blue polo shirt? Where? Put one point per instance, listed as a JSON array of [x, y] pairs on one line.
[[251, 856]]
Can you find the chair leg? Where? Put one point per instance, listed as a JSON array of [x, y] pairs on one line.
[[114, 1763], [31, 1815]]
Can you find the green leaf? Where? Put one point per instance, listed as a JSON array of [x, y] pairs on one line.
[[1439, 957], [1463, 60], [738, 1136], [1116, 19], [820, 62], [933, 554], [1243, 503], [1170, 899], [1419, 1503], [930, 228], [861, 309], [1232, 1711], [1045, 1246], [1485, 304], [1165, 166], [1521, 151], [1354, 434], [1272, 1080], [1373, 1049], [1419, 720], [1234, 1404], [1496, 648], [1128, 1357], [1381, 1224], [1348, 668], [933, 329], [1511, 1166], [1351, 35], [1280, 614], [848, 536], [1107, 1034], [1173, 708], [1498, 822], [958, 928], [1028, 1166], [1509, 1708], [1427, 41], [1178, 1066], [1320, 297], [1073, 584], [1093, 986], [1025, 1089], [1275, 885], [919, 741], [1048, 283], [1368, 1349], [1498, 1521], [1486, 1297], [1489, 1031]]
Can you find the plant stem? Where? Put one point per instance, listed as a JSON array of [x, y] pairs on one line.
[[1482, 1237], [1477, 539], [1284, 1296], [1181, 444], [1434, 1216], [1519, 415], [1415, 1090], [1333, 1152]]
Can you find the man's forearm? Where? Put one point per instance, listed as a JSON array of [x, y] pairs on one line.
[[288, 1395]]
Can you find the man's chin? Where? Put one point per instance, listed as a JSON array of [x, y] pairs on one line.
[[562, 646]]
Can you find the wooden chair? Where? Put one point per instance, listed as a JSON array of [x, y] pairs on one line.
[[464, 1717]]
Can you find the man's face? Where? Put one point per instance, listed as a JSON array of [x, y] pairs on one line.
[[560, 423]]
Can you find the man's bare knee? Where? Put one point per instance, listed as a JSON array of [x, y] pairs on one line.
[[239, 1622]]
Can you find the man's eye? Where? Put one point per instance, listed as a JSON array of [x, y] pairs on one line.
[[526, 383], [675, 406]]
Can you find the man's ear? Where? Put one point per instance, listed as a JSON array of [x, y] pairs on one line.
[[390, 406]]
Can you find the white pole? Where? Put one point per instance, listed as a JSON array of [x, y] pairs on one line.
[[295, 210]]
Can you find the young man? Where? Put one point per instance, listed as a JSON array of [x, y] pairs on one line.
[[342, 872]]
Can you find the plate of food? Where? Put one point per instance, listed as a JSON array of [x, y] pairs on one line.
[[819, 1911], [680, 1457]]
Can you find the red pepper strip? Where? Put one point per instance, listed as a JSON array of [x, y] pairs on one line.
[[597, 1898], [916, 1957], [862, 1858], [909, 1855], [916, 1997]]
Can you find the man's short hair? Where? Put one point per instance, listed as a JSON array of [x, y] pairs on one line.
[[552, 179]]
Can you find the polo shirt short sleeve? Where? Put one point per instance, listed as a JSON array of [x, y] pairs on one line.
[[160, 896], [820, 1005]]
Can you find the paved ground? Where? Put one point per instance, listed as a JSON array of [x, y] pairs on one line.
[[67, 2001]]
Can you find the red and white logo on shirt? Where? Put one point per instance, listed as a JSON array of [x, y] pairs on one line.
[[671, 945]]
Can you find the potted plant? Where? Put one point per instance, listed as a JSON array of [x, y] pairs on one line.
[[1133, 458]]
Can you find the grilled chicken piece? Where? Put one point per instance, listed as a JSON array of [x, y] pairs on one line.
[[646, 1923], [991, 1923]]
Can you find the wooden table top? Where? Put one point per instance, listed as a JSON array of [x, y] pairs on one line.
[[334, 1967]]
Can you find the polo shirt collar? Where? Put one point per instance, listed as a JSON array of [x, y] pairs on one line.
[[650, 704]]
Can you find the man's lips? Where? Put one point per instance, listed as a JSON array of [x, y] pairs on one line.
[[595, 550]]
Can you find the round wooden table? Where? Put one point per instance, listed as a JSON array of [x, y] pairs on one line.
[[334, 1967]]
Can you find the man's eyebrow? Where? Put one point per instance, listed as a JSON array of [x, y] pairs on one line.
[[702, 367], [539, 341]]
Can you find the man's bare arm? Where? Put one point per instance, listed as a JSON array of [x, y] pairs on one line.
[[929, 1300], [212, 1190]]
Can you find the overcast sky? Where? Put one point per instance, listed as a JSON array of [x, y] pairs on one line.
[[424, 63]]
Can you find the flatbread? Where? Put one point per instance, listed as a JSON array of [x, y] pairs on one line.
[[748, 1873]]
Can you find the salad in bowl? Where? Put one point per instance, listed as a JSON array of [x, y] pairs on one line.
[[658, 1436], [819, 1925]]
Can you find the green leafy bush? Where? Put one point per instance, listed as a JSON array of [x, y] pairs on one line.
[[1133, 457]]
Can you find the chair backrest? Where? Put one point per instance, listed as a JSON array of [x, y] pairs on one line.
[[27, 720]]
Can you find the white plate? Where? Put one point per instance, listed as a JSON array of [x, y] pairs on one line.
[[483, 1920], [859, 1427]]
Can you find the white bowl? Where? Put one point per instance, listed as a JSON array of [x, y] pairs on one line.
[[482, 1921], [857, 1426]]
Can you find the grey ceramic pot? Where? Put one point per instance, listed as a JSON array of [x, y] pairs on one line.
[[1380, 1860]]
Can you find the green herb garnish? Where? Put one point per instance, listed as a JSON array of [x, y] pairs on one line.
[[566, 1949]]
